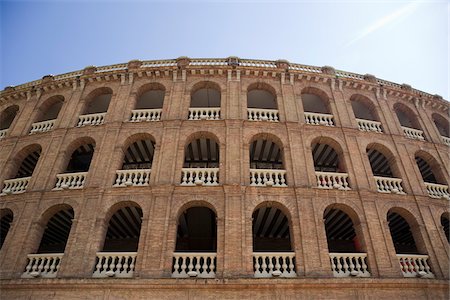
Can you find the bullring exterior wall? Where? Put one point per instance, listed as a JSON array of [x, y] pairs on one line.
[[234, 200]]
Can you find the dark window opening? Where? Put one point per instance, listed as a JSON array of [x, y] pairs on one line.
[[139, 155], [270, 231], [341, 235], [325, 158], [152, 99], [28, 165], [197, 231], [379, 164], [425, 170], [401, 234], [201, 153], [81, 159], [5, 224], [261, 99], [265, 154], [57, 232]]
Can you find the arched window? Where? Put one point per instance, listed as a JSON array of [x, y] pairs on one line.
[[6, 118], [412, 258], [205, 102], [95, 108], [328, 165], [136, 164], [118, 255], [266, 163], [262, 103], [409, 122], [149, 103], [432, 175], [201, 162], [47, 260], [26, 161], [365, 114], [383, 169], [48, 112], [196, 245], [345, 247], [77, 168], [443, 126], [272, 250], [6, 218], [445, 226], [316, 107]]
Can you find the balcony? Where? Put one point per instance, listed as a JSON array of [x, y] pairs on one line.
[[70, 181], [91, 119], [200, 265], [389, 185], [43, 126], [437, 190], [204, 113], [367, 125], [200, 176], [145, 115], [445, 139], [413, 265], [414, 134], [42, 265], [3, 133], [332, 180], [319, 119], [268, 177], [349, 264], [115, 264], [261, 114], [136, 177], [15, 186], [274, 264]]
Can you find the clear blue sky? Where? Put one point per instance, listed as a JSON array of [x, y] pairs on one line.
[[401, 41]]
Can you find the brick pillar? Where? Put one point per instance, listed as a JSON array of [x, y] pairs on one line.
[[233, 151], [168, 155], [340, 109], [300, 167], [356, 164], [234, 101], [289, 102]]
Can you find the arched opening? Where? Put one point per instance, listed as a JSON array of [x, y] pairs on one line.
[[365, 114], [205, 102], [118, 255], [26, 161], [77, 168], [329, 168], [272, 250], [136, 164], [95, 108], [266, 163], [149, 103], [48, 112], [443, 126], [6, 218], [432, 175], [409, 122], [383, 170], [46, 262], [445, 226], [413, 261], [262, 103], [6, 118], [196, 245], [201, 162], [316, 107], [345, 247]]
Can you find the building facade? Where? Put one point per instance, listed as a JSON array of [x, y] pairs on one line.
[[222, 178]]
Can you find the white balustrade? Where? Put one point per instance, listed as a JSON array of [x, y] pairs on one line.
[[368, 125], [135, 177], [91, 119], [115, 264], [331, 180], [15, 186], [389, 185], [349, 264], [260, 114], [141, 115], [199, 176], [413, 265], [204, 113], [319, 119], [414, 134], [3, 133], [70, 180], [42, 126], [274, 264], [445, 139], [201, 265], [437, 190], [268, 177], [42, 265]]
